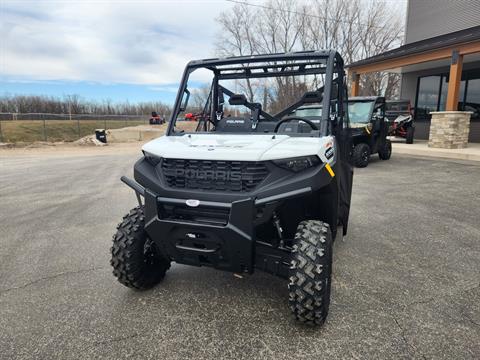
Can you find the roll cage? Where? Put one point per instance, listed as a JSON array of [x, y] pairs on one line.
[[328, 63]]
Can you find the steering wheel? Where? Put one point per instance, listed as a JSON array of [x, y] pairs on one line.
[[291, 118]]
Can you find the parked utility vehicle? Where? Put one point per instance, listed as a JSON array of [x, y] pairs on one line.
[[156, 119], [250, 188], [369, 129], [399, 115]]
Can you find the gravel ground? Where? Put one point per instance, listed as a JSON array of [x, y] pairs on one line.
[[406, 278]]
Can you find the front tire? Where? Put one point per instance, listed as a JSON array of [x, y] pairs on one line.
[[310, 272], [409, 136], [386, 151], [361, 155], [137, 262]]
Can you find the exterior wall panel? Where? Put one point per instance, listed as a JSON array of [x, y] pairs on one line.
[[422, 130], [474, 135], [429, 18], [409, 87]]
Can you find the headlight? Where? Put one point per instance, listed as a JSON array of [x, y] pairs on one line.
[[153, 160], [298, 164]]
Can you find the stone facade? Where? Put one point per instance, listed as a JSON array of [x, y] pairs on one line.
[[449, 129]]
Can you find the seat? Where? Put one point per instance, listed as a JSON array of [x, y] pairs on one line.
[[265, 127], [234, 125]]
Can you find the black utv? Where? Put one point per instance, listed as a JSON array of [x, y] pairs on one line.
[[247, 188], [369, 129]]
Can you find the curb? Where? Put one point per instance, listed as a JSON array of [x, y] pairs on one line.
[[460, 154]]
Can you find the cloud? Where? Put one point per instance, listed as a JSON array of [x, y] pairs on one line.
[[138, 42], [170, 89]]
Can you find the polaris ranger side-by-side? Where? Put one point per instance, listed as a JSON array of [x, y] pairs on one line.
[[368, 129], [247, 188]]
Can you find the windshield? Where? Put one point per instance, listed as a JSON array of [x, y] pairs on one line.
[[360, 112], [308, 112], [254, 97], [251, 106]]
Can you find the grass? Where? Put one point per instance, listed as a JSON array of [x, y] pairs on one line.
[[56, 130]]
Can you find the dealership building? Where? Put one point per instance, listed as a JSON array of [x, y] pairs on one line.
[[440, 70]]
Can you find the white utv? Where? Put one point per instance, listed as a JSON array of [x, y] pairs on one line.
[[247, 186]]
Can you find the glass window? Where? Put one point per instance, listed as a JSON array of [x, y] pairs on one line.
[[427, 99], [444, 92], [472, 102]]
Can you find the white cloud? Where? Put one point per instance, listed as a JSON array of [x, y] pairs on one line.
[[172, 89], [141, 42]]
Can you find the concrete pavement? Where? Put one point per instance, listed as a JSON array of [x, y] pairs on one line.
[[406, 278]]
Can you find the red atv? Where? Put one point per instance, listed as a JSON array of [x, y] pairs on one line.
[[400, 116], [156, 119], [192, 117]]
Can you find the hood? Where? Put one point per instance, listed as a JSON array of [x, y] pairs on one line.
[[236, 147]]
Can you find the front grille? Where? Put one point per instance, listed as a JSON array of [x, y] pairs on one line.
[[206, 215], [230, 176]]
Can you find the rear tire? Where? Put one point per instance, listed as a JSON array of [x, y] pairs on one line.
[[410, 133], [361, 155], [310, 272], [386, 151], [137, 262]]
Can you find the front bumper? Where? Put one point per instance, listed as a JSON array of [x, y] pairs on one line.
[[196, 238]]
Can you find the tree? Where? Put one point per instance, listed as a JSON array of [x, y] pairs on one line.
[[74, 104], [356, 28], [199, 97]]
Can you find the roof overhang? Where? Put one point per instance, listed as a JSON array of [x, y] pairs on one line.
[[463, 42], [402, 61]]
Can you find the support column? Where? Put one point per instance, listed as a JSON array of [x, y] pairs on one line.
[[355, 89], [449, 129], [454, 82]]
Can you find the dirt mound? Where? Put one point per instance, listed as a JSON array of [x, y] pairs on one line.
[[89, 140]]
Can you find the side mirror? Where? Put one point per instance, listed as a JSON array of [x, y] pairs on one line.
[[186, 97]]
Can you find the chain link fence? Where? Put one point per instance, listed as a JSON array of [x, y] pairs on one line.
[[31, 127]]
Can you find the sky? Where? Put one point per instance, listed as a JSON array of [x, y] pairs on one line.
[[102, 49]]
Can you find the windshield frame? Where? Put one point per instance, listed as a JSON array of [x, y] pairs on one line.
[[326, 62]]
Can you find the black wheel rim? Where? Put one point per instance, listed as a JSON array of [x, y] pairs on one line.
[[150, 253], [365, 156]]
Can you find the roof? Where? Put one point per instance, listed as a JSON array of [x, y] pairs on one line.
[[365, 98], [437, 42], [315, 106], [297, 55], [397, 101], [271, 65]]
